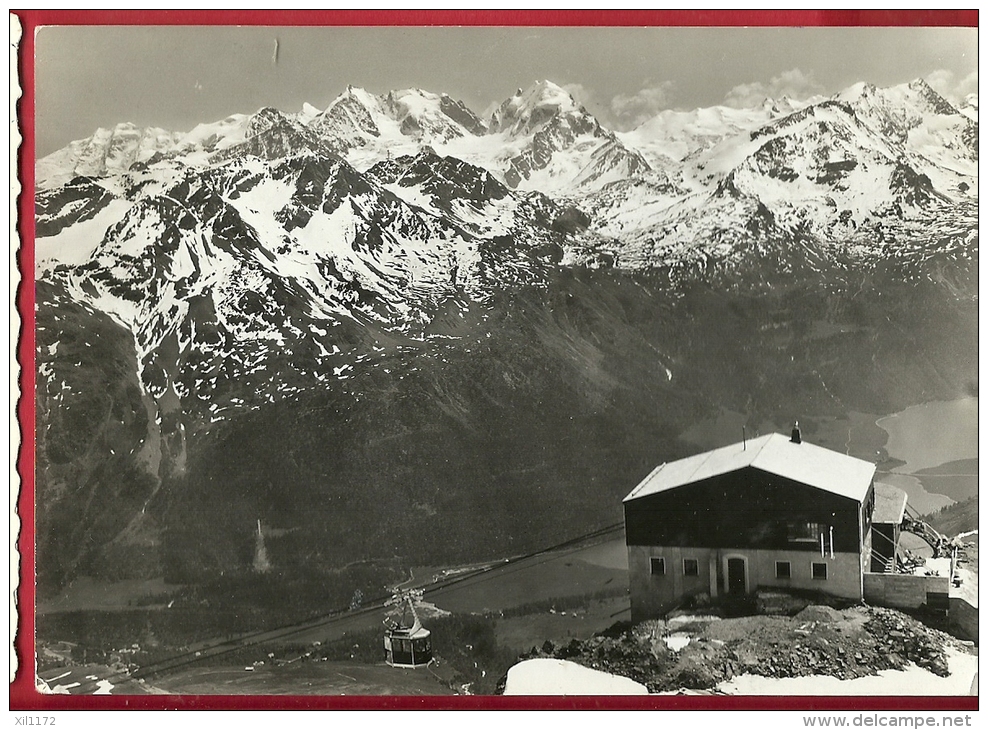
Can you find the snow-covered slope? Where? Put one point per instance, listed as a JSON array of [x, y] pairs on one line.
[[107, 152], [671, 136], [216, 272], [969, 107], [846, 174], [368, 128], [553, 145], [923, 122]]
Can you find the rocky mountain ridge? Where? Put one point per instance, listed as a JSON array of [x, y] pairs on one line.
[[834, 170]]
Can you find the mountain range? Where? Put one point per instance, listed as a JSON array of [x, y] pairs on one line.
[[391, 328]]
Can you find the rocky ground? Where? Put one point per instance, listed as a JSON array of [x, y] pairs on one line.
[[697, 652]]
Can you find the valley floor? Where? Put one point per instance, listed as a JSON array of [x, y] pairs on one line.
[[543, 604], [308, 678]]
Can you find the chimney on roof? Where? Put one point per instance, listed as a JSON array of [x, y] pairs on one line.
[[796, 439]]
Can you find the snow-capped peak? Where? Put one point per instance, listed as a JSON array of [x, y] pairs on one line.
[[856, 91], [524, 112], [933, 100], [265, 118], [308, 113], [355, 106], [787, 105], [431, 115], [910, 100], [360, 94], [233, 124], [969, 107], [109, 150], [367, 128]]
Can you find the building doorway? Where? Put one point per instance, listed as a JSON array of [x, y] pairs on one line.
[[737, 582]]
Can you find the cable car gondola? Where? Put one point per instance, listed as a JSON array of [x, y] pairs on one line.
[[407, 643]]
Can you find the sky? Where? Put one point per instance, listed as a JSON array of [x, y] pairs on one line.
[[176, 77]]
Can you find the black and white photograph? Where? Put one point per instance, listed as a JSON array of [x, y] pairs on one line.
[[505, 361]]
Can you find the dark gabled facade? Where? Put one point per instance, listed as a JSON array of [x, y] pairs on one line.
[[747, 508], [769, 513]]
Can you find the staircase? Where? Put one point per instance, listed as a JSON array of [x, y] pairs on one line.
[[940, 544], [886, 563]]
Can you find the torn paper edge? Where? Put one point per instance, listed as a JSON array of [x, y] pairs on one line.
[[16, 34]]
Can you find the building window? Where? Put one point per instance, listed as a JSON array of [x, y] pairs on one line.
[[691, 566], [658, 566], [783, 569], [804, 531], [819, 571]]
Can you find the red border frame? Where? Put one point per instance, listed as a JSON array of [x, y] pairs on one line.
[[24, 696]]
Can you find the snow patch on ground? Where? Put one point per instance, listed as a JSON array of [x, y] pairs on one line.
[[676, 642], [913, 681], [934, 566], [76, 244], [560, 677]]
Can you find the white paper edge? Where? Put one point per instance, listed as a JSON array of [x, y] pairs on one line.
[[15, 139]]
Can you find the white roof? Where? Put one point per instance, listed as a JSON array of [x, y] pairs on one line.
[[805, 463], [890, 504]]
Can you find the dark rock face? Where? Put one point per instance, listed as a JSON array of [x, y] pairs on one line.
[[912, 188], [558, 133], [935, 103], [270, 136], [80, 200], [459, 113], [97, 448], [446, 179]]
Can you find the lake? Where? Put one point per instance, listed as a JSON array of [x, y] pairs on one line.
[[932, 434], [936, 445]]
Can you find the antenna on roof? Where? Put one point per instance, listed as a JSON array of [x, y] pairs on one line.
[[744, 440]]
